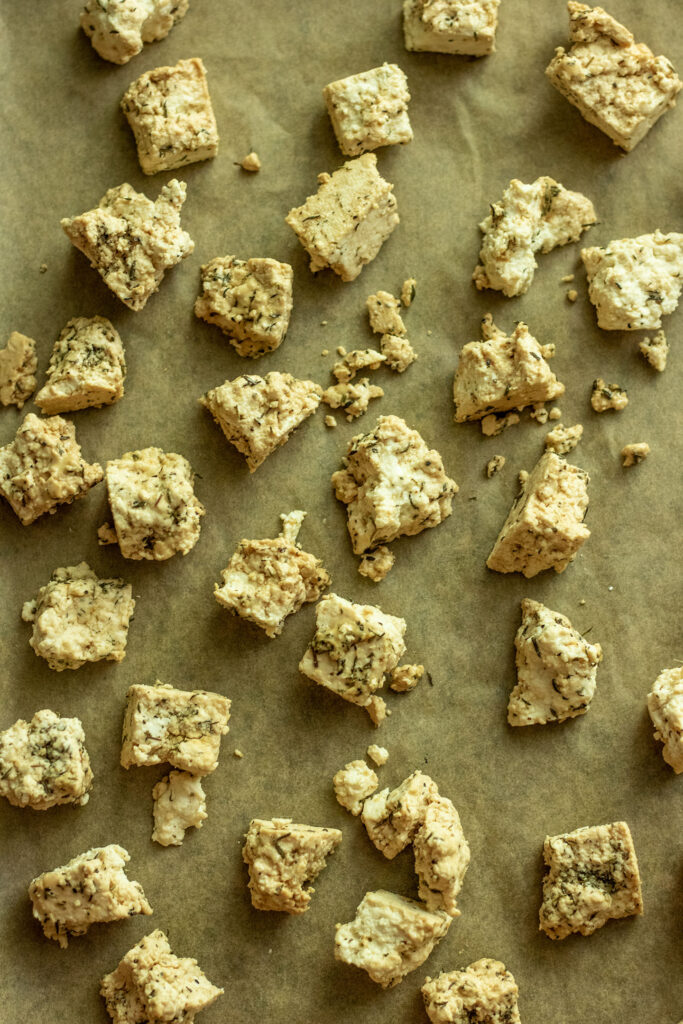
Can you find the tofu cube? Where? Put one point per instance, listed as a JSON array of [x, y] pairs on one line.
[[392, 819], [179, 804], [44, 762], [370, 109], [18, 364], [283, 859], [665, 704], [353, 784], [87, 367], [118, 29], [451, 26], [485, 991]]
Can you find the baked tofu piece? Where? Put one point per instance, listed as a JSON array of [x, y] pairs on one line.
[[544, 528], [389, 937], [406, 677], [528, 219], [79, 618], [592, 879], [91, 889], [665, 704], [250, 300], [44, 762], [118, 29], [179, 804], [634, 282], [152, 985], [376, 565], [392, 818], [451, 26], [397, 351], [617, 85], [353, 399], [556, 668], [484, 992], [655, 351], [344, 225], [131, 241], [353, 784], [283, 859], [87, 367], [169, 111], [563, 440], [259, 414], [608, 396], [359, 359], [442, 856], [18, 364], [500, 373], [384, 314], [370, 109], [182, 727], [633, 454], [43, 468]]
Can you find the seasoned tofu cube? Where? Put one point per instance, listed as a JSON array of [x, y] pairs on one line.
[[87, 367], [283, 859], [370, 109], [665, 704], [451, 26], [484, 992], [179, 804], [44, 762], [353, 784], [392, 819], [118, 29], [18, 364]]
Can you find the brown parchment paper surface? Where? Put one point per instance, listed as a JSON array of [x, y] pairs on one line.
[[477, 124]]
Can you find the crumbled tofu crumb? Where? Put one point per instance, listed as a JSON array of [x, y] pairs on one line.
[[495, 465], [408, 289], [330, 421], [380, 755], [563, 439], [353, 784], [572, 295], [383, 311], [359, 359], [352, 398], [251, 162], [398, 352], [555, 413], [493, 425], [539, 413], [377, 564], [632, 454], [665, 705], [237, 753], [655, 350], [406, 677], [608, 396], [341, 351], [567, 278], [43, 268], [325, 352]]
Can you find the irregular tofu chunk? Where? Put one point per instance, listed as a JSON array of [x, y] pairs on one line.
[[179, 804], [492, 425], [87, 367], [608, 396], [383, 311], [485, 992], [556, 668], [442, 856], [370, 109], [43, 468], [406, 677], [451, 26], [353, 399], [79, 618], [360, 359], [377, 564], [169, 111], [632, 454], [528, 219], [592, 878], [398, 352], [259, 414], [18, 364], [563, 440], [618, 85], [392, 818], [353, 784], [250, 300], [389, 937], [544, 528], [131, 241], [182, 727], [655, 350], [495, 465], [283, 860], [665, 704], [91, 889], [344, 225], [118, 29], [379, 755], [44, 762]]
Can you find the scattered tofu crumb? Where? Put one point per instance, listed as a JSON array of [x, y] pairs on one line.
[[632, 454], [341, 351], [43, 268], [563, 439], [353, 784], [655, 350], [359, 359], [665, 705], [325, 352], [398, 352], [380, 755], [354, 399], [572, 295], [608, 396], [555, 413], [377, 564], [582, 600], [237, 753], [323, 323], [493, 425], [408, 289], [495, 465], [567, 278], [429, 333], [406, 677], [539, 413], [330, 421], [251, 162]]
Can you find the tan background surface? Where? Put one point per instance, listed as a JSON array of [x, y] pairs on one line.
[[477, 124]]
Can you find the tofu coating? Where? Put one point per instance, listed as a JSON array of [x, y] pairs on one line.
[[392, 818], [370, 109], [353, 784], [44, 763], [118, 29], [87, 367], [18, 364], [179, 804], [283, 859], [485, 991], [442, 856], [665, 705], [451, 26]]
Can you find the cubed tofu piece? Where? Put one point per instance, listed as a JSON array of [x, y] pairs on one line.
[[544, 528], [442, 856], [563, 440], [633, 454], [528, 219], [18, 364], [377, 564], [451, 26], [370, 109], [353, 784], [484, 992], [179, 804], [43, 468], [608, 396], [131, 241], [118, 29], [617, 85], [359, 359], [344, 225], [44, 762], [91, 889], [665, 704], [87, 367], [392, 818], [406, 677], [592, 879], [353, 399], [397, 351], [389, 937], [79, 618], [655, 351], [181, 727], [384, 314], [283, 859], [249, 300]]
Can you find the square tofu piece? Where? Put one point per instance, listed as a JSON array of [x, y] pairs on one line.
[[544, 528], [442, 856], [389, 937], [370, 109], [18, 364], [592, 878], [393, 818], [79, 618], [118, 29], [250, 300], [665, 704], [169, 110], [451, 26], [179, 804], [484, 992], [131, 241], [344, 225], [87, 367], [182, 727], [44, 762], [283, 859], [618, 85], [91, 889], [43, 468], [153, 985], [258, 414], [353, 784]]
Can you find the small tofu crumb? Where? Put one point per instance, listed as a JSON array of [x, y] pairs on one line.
[[359, 359], [572, 295], [493, 425], [325, 352], [398, 352], [539, 413], [380, 755], [341, 351], [408, 289], [608, 396], [563, 439], [237, 753], [567, 278], [354, 399], [43, 268], [251, 162], [632, 454], [655, 350], [377, 564], [330, 421], [383, 311], [555, 413], [406, 677], [495, 465], [353, 784]]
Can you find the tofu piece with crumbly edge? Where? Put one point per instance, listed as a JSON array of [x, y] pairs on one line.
[[370, 109], [131, 241], [398, 352], [359, 359], [442, 856], [352, 399], [179, 804], [392, 818], [466, 27], [616, 84], [91, 889], [592, 878], [493, 425], [556, 668], [544, 528], [249, 300], [344, 225], [87, 367], [384, 315], [608, 396], [79, 618], [633, 454], [389, 937], [485, 991], [353, 784], [376, 565], [665, 705], [169, 111], [181, 727], [44, 763], [283, 859], [18, 363], [259, 414], [43, 468], [153, 985], [528, 219], [118, 29], [406, 677], [655, 351], [563, 440]]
